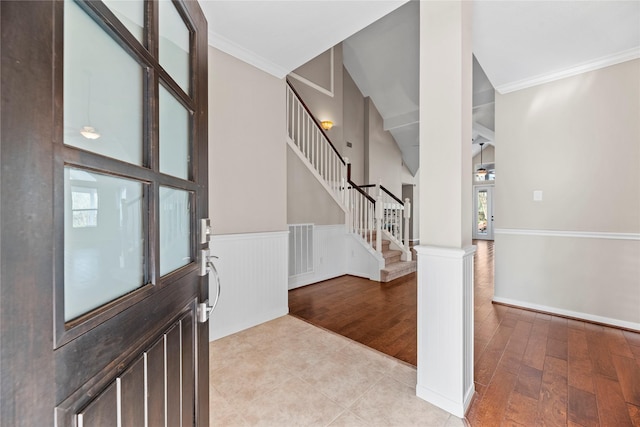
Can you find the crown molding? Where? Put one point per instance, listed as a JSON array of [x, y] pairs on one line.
[[245, 55], [605, 61]]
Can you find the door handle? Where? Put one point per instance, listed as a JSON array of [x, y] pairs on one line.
[[207, 266]]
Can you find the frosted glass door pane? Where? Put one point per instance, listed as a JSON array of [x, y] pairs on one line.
[[174, 136], [102, 90], [103, 239], [175, 230], [174, 44], [131, 14]]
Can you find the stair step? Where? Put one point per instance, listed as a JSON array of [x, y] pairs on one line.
[[396, 270], [391, 257]]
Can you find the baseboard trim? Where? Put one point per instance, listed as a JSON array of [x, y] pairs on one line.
[[442, 402], [575, 315]]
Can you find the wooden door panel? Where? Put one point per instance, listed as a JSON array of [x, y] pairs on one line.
[[118, 340], [132, 390], [123, 402], [102, 411], [101, 368], [173, 374], [155, 378]]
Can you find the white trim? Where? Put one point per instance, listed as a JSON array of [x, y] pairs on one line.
[[596, 64], [243, 54], [248, 236], [569, 313], [564, 233], [444, 252], [445, 403], [328, 92]]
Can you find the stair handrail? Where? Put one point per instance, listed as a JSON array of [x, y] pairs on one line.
[[315, 120], [312, 144], [362, 218], [395, 215], [390, 194]]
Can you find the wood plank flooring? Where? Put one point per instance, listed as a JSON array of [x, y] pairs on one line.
[[530, 368]]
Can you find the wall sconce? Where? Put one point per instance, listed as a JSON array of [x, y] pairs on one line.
[[326, 124]]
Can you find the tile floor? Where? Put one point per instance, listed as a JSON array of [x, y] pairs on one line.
[[287, 372]]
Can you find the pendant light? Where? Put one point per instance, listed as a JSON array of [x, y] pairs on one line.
[[482, 171]]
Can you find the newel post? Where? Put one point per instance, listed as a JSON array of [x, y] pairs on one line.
[[346, 175], [407, 218], [379, 209]]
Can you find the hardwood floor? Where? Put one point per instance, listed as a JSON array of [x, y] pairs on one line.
[[530, 368]]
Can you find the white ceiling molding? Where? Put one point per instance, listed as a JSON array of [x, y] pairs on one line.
[[482, 98], [606, 61], [485, 132], [243, 54], [329, 92], [402, 120]]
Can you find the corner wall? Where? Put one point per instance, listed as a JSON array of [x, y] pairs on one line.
[[576, 252], [247, 194]]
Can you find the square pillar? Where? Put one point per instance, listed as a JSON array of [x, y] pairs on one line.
[[445, 256]]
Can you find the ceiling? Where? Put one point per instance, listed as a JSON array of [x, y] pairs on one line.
[[516, 44]]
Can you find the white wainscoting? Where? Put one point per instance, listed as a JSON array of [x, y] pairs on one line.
[[253, 273], [445, 327], [593, 276], [329, 254]]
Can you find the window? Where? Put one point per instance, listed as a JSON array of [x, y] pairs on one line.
[[84, 206]]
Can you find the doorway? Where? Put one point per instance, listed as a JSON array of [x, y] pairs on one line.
[[483, 212]]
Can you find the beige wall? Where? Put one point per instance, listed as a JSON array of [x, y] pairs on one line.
[[384, 156], [307, 200], [578, 141], [353, 114], [247, 149], [323, 106], [583, 136]]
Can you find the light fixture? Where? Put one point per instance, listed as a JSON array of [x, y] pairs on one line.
[[89, 132], [482, 171], [326, 124]]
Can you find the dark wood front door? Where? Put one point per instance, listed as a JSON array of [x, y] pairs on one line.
[[103, 185]]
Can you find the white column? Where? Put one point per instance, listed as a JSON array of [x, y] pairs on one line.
[[445, 257]]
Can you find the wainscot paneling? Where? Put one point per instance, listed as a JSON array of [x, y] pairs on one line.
[[329, 256], [253, 270]]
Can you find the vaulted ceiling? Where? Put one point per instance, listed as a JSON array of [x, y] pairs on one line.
[[516, 44]]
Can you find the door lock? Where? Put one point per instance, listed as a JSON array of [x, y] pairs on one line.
[[205, 230]]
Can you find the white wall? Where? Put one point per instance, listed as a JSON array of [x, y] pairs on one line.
[[247, 194], [329, 256], [578, 141]]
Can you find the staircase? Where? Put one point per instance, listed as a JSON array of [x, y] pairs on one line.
[[394, 266], [378, 221]]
